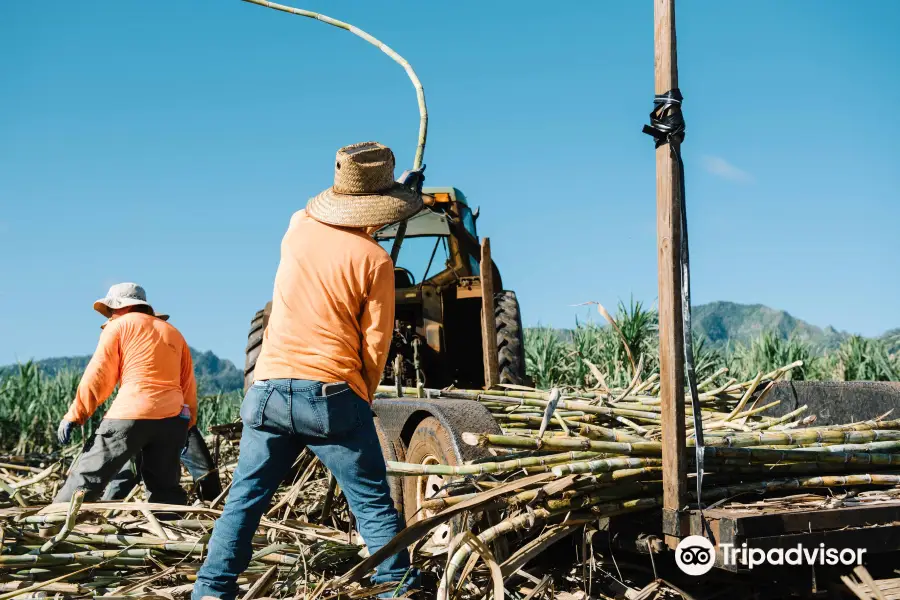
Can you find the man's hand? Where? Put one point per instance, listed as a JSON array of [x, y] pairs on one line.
[[64, 433]]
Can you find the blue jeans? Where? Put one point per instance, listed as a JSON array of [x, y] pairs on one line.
[[281, 417]]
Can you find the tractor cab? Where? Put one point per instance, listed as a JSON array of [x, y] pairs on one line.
[[441, 238], [438, 334]]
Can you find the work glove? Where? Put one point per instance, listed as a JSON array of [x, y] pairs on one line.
[[413, 179], [64, 433]]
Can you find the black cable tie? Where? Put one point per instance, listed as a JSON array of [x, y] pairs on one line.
[[666, 121]]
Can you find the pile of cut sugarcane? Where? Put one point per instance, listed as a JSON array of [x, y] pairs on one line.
[[569, 457], [563, 459], [132, 548]]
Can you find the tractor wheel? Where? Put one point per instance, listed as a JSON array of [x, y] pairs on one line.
[[510, 340], [392, 452], [430, 444], [254, 343]]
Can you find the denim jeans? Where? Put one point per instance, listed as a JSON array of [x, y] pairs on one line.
[[281, 417]]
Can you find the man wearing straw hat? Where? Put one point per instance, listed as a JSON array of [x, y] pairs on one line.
[[323, 353], [156, 404]]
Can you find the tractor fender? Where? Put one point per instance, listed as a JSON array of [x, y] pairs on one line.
[[400, 416]]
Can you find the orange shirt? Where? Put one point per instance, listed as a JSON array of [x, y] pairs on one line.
[[332, 309], [152, 363]]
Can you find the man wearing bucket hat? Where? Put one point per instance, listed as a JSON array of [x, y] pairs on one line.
[[156, 404], [323, 353], [195, 457]]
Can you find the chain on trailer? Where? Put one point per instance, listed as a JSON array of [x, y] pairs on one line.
[[415, 177]]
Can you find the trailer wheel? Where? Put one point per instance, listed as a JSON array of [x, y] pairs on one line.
[[254, 343], [430, 444], [510, 338], [392, 452]]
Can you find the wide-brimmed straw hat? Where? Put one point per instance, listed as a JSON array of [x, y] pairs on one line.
[[364, 193], [120, 296]]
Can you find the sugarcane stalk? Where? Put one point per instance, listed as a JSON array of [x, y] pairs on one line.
[[745, 398], [802, 436], [604, 465], [773, 456], [525, 432], [819, 481], [598, 432], [504, 455], [628, 423], [71, 515], [709, 380], [591, 483], [646, 448], [409, 469], [90, 557], [530, 520], [728, 467], [462, 553], [784, 418], [509, 441], [40, 476], [889, 447], [743, 415]]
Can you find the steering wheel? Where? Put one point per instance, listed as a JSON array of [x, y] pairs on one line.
[[408, 273]]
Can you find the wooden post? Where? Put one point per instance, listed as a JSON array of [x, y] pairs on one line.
[[668, 242], [488, 326]]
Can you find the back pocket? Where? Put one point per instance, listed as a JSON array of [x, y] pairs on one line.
[[340, 412], [255, 403]]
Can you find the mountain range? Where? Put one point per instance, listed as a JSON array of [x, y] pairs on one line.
[[720, 322], [723, 322], [213, 374]]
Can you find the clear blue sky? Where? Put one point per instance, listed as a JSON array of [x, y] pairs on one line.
[[169, 142]]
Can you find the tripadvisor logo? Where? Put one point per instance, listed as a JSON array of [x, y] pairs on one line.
[[797, 555], [695, 555]]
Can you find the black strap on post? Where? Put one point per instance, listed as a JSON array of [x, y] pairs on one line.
[[667, 127]]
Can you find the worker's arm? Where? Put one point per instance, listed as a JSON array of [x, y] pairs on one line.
[[189, 382], [377, 325], [99, 379]]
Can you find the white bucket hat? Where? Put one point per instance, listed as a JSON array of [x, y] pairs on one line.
[[120, 296], [364, 193]]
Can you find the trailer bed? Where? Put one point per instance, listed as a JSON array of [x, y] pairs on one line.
[[870, 521]]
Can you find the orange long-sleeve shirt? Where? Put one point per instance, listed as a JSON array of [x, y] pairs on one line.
[[332, 309], [152, 363]]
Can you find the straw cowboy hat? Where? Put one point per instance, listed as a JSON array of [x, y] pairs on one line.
[[364, 193], [120, 296]]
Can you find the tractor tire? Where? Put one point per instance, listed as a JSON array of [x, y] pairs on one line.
[[254, 343], [431, 444], [510, 338]]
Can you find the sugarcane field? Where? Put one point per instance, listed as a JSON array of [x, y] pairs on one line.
[[406, 422]]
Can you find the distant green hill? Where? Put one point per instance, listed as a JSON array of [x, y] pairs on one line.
[[723, 322], [213, 374], [892, 339]]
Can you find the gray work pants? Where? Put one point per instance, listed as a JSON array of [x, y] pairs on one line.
[[195, 458], [156, 442]]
